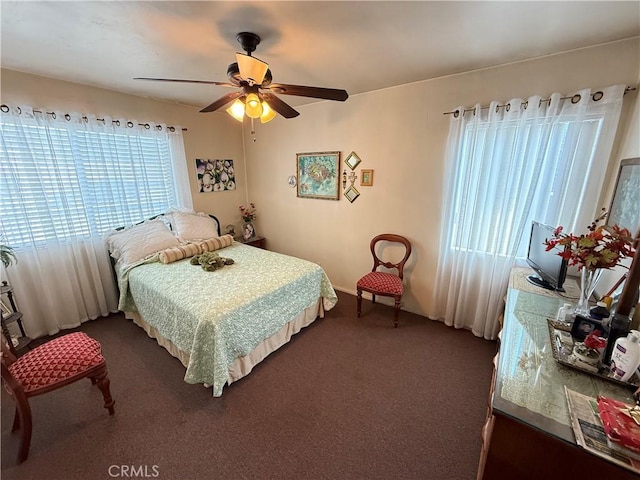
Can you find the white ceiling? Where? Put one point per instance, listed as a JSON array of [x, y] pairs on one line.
[[358, 46]]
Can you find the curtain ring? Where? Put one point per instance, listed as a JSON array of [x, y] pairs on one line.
[[597, 96], [130, 124], [86, 119], [508, 107], [67, 117], [456, 114], [525, 104], [159, 128], [147, 126], [117, 122], [53, 114], [171, 129], [576, 98], [4, 108]]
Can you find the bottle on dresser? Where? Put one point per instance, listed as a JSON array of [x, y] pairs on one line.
[[625, 356]]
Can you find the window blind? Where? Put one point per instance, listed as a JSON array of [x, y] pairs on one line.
[[63, 183]]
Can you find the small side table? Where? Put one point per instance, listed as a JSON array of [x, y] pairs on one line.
[[7, 318], [259, 242]]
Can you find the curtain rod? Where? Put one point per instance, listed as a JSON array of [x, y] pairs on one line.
[[574, 99], [5, 109]]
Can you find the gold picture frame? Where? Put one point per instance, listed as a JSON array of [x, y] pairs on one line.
[[318, 175], [366, 177]]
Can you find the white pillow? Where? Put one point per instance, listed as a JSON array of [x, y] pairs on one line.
[[140, 241], [193, 226]]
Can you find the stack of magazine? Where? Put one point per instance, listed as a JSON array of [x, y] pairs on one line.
[[591, 435]]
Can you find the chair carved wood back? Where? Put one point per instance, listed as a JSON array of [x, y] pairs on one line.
[[393, 238]]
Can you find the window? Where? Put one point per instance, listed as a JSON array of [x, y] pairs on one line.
[[61, 183], [534, 158]]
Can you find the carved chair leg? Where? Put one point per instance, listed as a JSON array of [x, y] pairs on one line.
[[396, 312], [16, 421], [23, 410], [359, 309], [102, 379]]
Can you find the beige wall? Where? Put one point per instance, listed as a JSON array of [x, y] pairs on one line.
[[211, 135], [400, 133]]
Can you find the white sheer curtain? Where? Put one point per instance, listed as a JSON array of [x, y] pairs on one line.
[[537, 159], [65, 180]]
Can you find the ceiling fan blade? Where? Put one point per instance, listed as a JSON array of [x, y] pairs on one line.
[[221, 102], [177, 80], [313, 92], [279, 106]]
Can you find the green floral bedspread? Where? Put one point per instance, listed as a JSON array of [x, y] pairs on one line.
[[221, 315]]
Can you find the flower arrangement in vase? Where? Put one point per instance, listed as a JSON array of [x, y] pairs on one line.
[[248, 214], [602, 248]]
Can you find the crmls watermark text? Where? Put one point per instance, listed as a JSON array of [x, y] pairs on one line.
[[134, 471]]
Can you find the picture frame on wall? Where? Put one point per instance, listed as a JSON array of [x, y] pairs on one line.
[[318, 175], [366, 177], [624, 210], [215, 175]]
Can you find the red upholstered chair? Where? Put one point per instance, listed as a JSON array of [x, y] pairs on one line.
[[52, 365], [383, 283]]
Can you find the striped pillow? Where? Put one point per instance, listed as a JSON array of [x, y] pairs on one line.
[[216, 243], [181, 251]]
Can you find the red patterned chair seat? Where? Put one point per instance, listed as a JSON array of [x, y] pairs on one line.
[[58, 360], [381, 282]]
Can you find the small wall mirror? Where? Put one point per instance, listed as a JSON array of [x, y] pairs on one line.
[[352, 160]]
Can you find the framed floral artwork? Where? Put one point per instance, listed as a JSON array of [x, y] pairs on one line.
[[366, 177], [215, 175], [318, 175]]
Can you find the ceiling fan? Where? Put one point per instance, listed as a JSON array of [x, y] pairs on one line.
[[256, 95]]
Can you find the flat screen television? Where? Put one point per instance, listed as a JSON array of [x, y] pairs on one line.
[[550, 268]]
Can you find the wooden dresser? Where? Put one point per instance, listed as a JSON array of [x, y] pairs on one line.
[[528, 433]]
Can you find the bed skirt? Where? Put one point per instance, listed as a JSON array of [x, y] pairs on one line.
[[241, 366]]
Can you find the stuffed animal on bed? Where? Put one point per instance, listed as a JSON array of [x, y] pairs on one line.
[[211, 261]]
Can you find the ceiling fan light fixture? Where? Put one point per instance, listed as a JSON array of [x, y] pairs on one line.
[[267, 113], [251, 69], [253, 106], [236, 110]]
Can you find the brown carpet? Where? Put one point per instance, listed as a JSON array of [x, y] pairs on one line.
[[347, 398]]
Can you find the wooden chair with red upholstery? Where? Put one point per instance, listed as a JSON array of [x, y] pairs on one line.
[[52, 365], [385, 283]]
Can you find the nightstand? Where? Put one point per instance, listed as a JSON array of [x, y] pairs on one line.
[[259, 242], [7, 318]]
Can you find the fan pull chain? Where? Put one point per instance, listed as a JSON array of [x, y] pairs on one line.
[[253, 131]]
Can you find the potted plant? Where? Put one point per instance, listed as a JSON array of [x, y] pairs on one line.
[[7, 255]]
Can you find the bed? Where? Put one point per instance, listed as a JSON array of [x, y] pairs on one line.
[[220, 323]]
